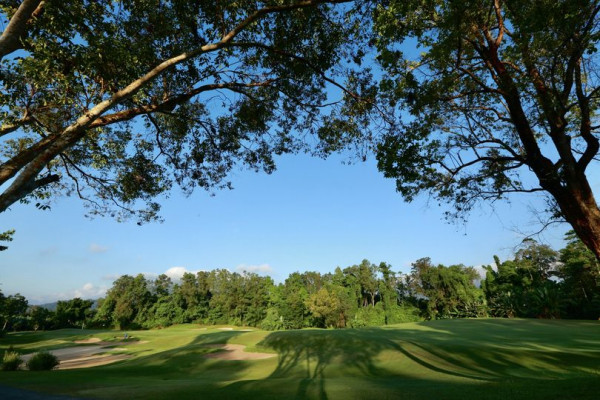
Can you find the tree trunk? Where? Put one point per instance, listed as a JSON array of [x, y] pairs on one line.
[[578, 206]]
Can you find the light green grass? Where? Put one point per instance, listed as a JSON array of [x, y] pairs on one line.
[[454, 359]]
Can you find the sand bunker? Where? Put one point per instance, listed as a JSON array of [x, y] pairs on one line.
[[233, 329], [91, 355], [92, 361], [88, 341], [235, 352]]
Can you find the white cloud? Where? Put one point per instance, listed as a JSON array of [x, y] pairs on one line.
[[90, 291], [87, 291], [96, 248], [150, 275], [175, 273], [259, 269]]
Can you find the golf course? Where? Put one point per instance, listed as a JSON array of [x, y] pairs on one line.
[[444, 359]]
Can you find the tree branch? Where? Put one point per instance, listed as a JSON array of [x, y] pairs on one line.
[[11, 38], [31, 165], [172, 102], [11, 197], [585, 127]]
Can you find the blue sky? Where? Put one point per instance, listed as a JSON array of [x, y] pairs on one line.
[[311, 214]]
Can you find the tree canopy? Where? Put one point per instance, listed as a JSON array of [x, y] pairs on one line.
[[496, 97], [117, 101]]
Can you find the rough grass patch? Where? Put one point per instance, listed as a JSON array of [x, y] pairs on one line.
[[11, 361]]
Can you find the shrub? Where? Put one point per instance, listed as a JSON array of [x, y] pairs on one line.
[[273, 321], [11, 361], [404, 313], [42, 361], [368, 316]]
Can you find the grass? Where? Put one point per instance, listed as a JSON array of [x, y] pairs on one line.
[[453, 359]]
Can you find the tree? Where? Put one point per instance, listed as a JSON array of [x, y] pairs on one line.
[[127, 303], [328, 307], [450, 292], [74, 312], [40, 317], [539, 260], [580, 274], [117, 101], [12, 308], [523, 286], [494, 97], [294, 295]]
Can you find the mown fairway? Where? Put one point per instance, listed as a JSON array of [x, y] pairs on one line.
[[452, 359]]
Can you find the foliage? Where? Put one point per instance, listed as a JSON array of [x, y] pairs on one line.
[[12, 310], [404, 313], [6, 236], [11, 361], [42, 361], [273, 321], [368, 316], [477, 100], [74, 312], [40, 318], [118, 101], [523, 287], [580, 274], [537, 282], [328, 307], [450, 291]]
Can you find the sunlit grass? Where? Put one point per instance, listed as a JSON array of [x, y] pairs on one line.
[[453, 359]]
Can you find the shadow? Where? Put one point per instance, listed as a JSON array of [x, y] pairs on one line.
[[147, 376], [308, 355], [17, 339], [487, 358], [453, 359]]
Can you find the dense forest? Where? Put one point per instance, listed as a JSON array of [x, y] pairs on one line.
[[538, 282]]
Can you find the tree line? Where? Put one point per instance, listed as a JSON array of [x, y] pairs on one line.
[[538, 282]]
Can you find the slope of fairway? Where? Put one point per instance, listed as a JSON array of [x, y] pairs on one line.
[[453, 359]]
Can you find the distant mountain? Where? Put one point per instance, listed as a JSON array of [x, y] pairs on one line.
[[52, 306], [49, 306]]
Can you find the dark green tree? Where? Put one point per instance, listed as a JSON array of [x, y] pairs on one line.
[[580, 274], [12, 309], [294, 295], [73, 313], [40, 318]]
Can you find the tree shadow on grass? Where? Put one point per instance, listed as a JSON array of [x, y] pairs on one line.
[[443, 359], [504, 358]]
